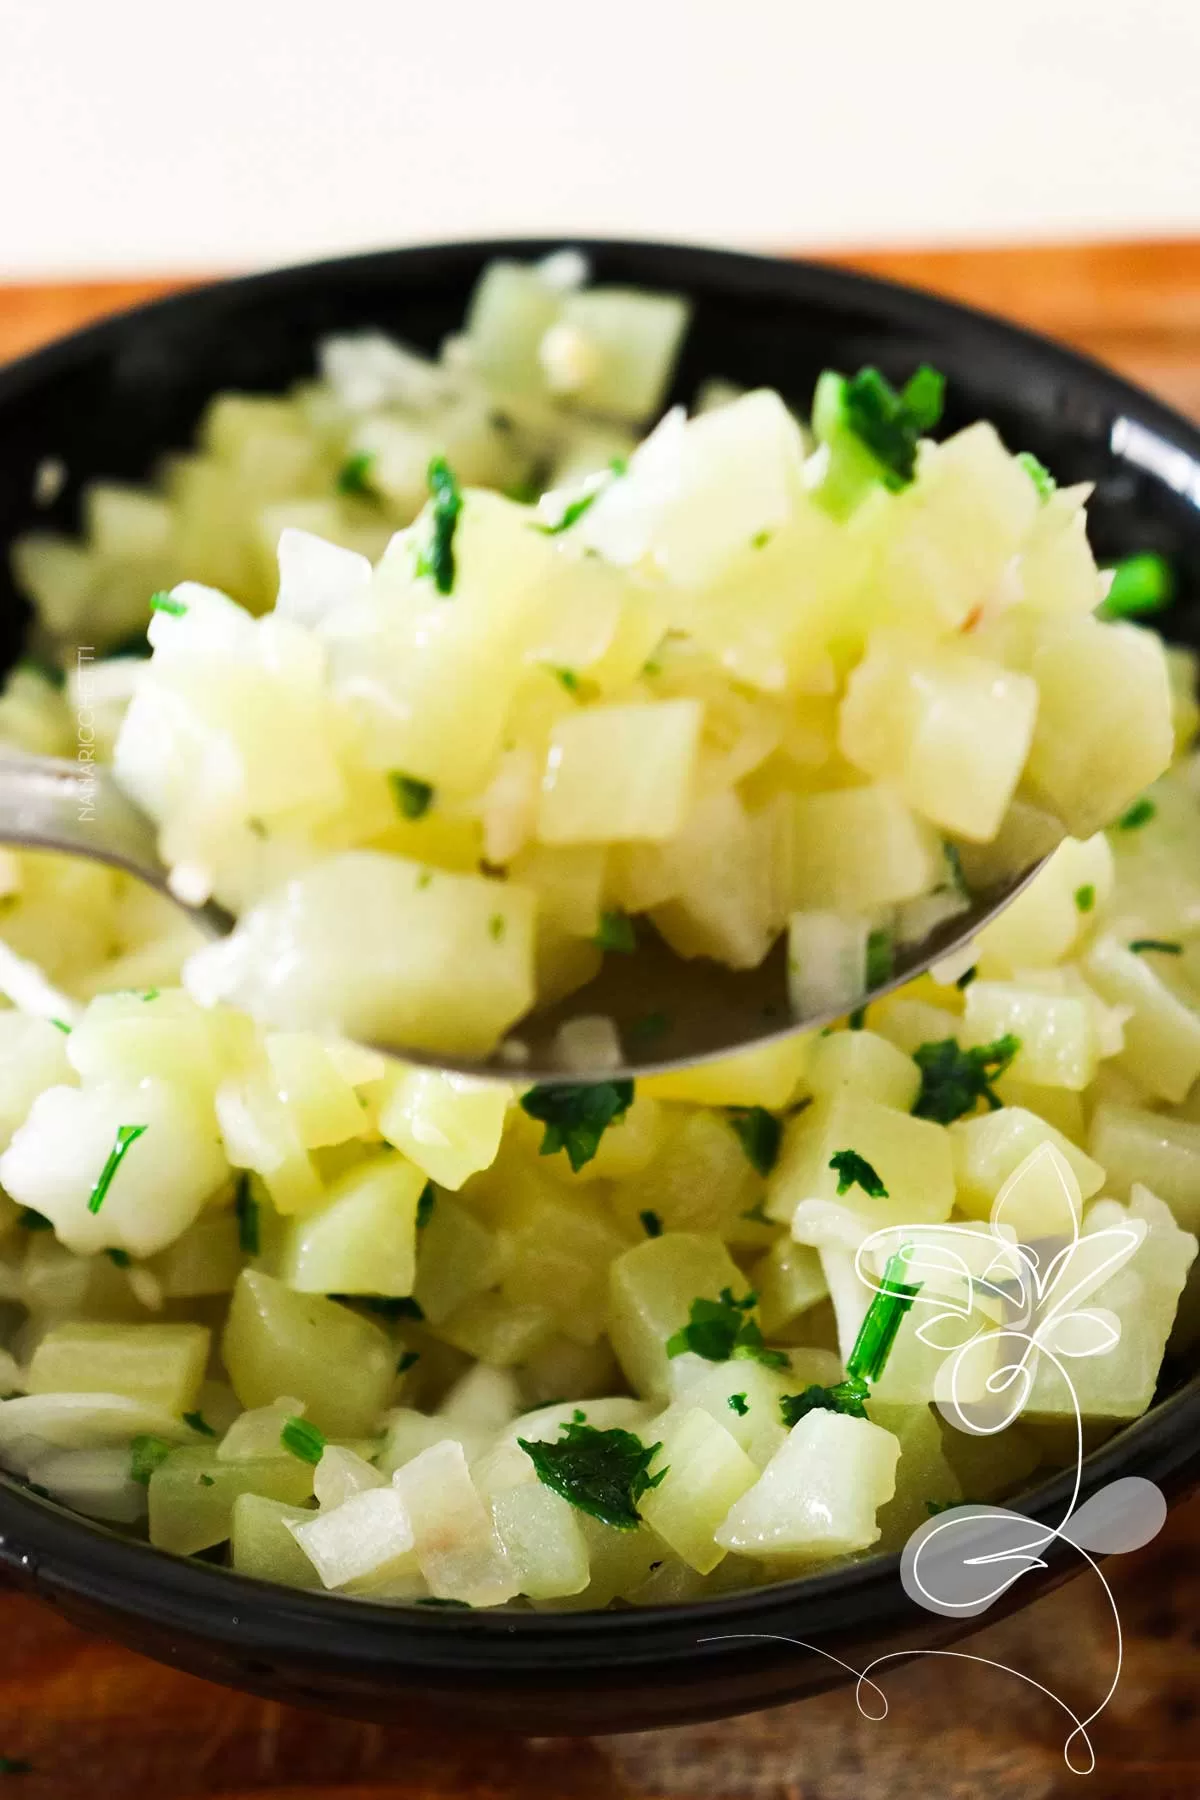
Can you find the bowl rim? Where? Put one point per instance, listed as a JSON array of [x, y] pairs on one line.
[[66, 1554]]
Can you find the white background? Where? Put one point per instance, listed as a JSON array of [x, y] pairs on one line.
[[202, 134]]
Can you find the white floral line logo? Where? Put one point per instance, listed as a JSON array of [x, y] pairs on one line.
[[1029, 1296]]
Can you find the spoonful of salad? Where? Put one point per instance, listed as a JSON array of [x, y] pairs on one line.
[[715, 741]]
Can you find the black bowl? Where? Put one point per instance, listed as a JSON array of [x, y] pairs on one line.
[[109, 401]]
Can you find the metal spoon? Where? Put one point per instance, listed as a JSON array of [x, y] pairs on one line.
[[670, 1011]]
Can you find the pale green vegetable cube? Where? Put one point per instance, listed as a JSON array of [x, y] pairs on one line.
[[205, 1259], [259, 1133], [1104, 720], [1162, 1029], [722, 903], [1040, 927], [1135, 1145], [261, 1544], [377, 945], [509, 313], [859, 848], [701, 1179], [543, 1543], [363, 1239], [487, 1398], [1057, 1031], [280, 1342], [866, 1064], [498, 1331], [322, 1103], [987, 1466], [447, 1124], [910, 1156], [1144, 1293], [789, 1281], [755, 1422], [819, 1494], [458, 1257], [369, 1537], [559, 1251], [924, 1472], [33, 1056], [990, 1148], [410, 1432], [631, 340], [826, 963], [192, 1495], [620, 773], [162, 1365], [767, 1075], [651, 1291], [340, 1473], [950, 730], [164, 1034], [458, 1549], [618, 1563], [258, 1432], [706, 1471]]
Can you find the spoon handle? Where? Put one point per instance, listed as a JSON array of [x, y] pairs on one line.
[[48, 803]]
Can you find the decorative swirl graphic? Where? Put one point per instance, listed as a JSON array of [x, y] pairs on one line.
[[999, 1307]]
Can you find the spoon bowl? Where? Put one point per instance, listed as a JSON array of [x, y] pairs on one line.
[[670, 1011]]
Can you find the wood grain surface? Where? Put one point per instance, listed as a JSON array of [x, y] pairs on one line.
[[97, 1723]]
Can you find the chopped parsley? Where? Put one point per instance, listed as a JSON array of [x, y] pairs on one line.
[[857, 1019], [760, 540], [61, 1025], [571, 514], [843, 1397], [408, 1361], [616, 932], [126, 1135], [603, 1473], [1140, 584], [1139, 814], [568, 678], [1038, 473], [34, 1221], [145, 1455], [881, 959], [199, 1423], [497, 926], [354, 476], [966, 978], [954, 1080], [164, 603], [576, 1115], [757, 1213], [413, 798], [759, 1133], [245, 1207], [438, 560], [207, 1481], [652, 1225], [891, 424], [303, 1440], [739, 1404], [619, 465], [958, 879], [385, 1306], [722, 1330], [120, 1259], [425, 1205], [854, 1170], [1085, 897], [1164, 946], [883, 1319]]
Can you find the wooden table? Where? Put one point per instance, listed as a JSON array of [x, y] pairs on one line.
[[98, 1723]]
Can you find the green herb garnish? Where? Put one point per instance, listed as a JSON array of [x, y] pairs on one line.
[[354, 476], [954, 1080], [568, 678], [438, 560], [413, 798], [577, 1115], [739, 1404], [207, 1481], [407, 1361], [722, 1330], [497, 926], [120, 1259], [61, 1025], [1139, 814], [1140, 584], [602, 1473], [303, 1440], [1038, 473], [759, 1133], [652, 1225], [145, 1455], [126, 1135], [966, 978], [854, 1170], [199, 1423], [34, 1221], [843, 1397], [883, 1319], [164, 603], [571, 514], [881, 959], [958, 879], [245, 1207], [1085, 897], [857, 1019], [425, 1205], [1164, 946], [616, 933], [891, 424], [757, 1213], [385, 1306]]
